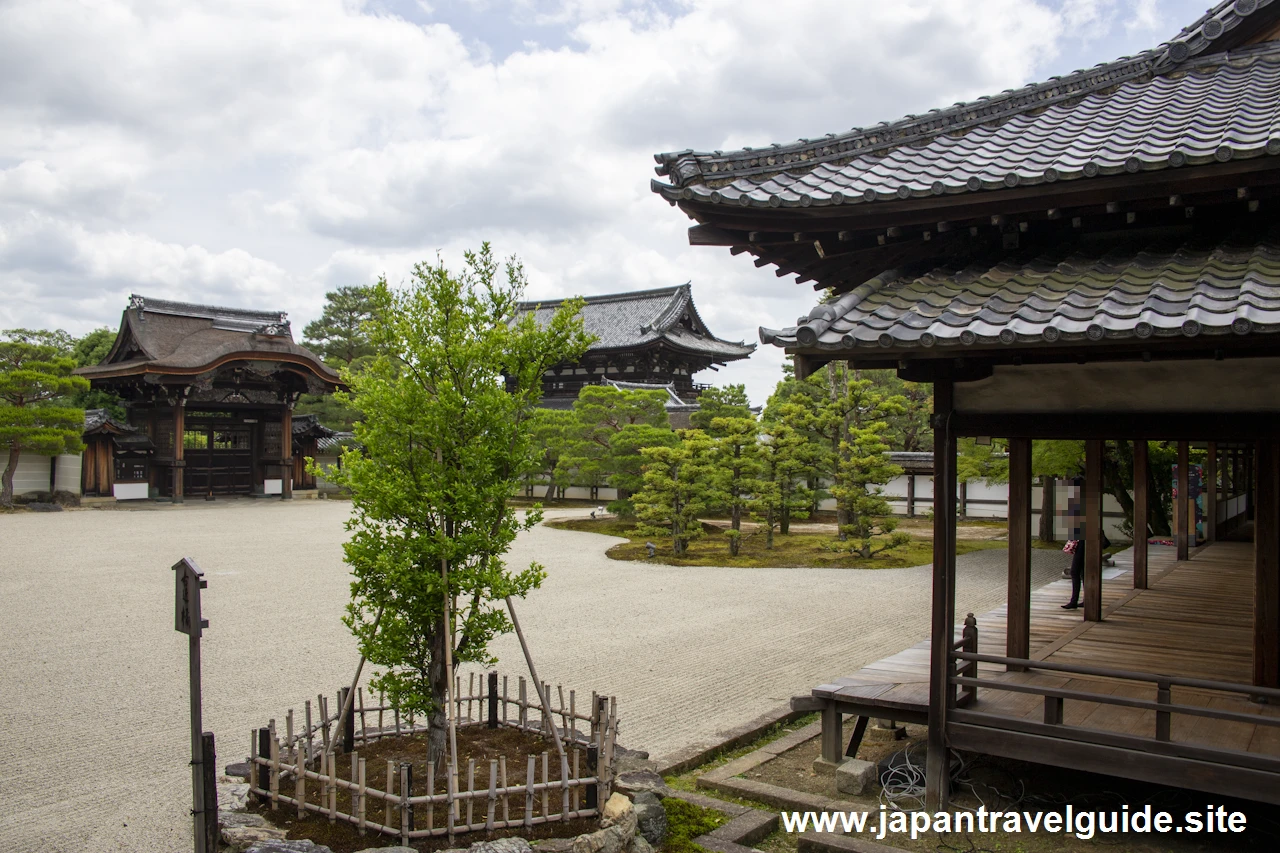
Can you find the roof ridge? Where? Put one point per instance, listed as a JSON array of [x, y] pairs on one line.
[[626, 296], [689, 166], [210, 312]]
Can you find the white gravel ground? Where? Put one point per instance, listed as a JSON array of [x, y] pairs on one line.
[[93, 677]]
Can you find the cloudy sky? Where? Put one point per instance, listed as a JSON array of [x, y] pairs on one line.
[[256, 153]]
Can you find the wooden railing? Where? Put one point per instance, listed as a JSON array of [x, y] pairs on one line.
[[582, 785], [963, 673], [1163, 707]]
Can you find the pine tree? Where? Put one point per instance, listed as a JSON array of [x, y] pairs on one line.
[[610, 427], [35, 373], [785, 456], [735, 469], [673, 493]]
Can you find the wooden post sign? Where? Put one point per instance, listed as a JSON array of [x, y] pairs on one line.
[[188, 581]]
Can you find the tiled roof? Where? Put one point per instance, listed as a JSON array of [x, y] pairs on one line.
[[1187, 102], [337, 440], [309, 426], [100, 420], [673, 401], [1073, 292], [158, 336], [640, 318]]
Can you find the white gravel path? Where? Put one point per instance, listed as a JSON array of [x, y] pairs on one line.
[[93, 678]]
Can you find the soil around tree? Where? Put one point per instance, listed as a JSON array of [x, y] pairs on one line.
[[477, 743]]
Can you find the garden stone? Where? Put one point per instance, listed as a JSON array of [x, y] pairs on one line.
[[244, 837], [301, 845], [396, 849], [616, 810], [651, 820], [613, 839], [854, 776], [633, 781], [501, 845], [639, 845], [240, 768], [228, 819], [233, 795], [553, 845]]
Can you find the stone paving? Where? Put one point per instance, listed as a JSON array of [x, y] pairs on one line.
[[93, 677]]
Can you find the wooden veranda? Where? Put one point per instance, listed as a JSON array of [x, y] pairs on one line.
[[1092, 258], [1155, 685]]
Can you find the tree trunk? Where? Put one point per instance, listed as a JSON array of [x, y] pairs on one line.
[[784, 517], [6, 491], [551, 491], [437, 722], [768, 537], [735, 543], [1047, 485], [1155, 514]]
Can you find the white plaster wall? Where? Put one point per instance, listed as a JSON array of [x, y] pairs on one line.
[[32, 474]]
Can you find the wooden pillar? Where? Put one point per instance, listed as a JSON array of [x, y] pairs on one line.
[[1211, 494], [1018, 629], [1141, 510], [1250, 481], [1093, 450], [1266, 562], [1181, 519], [938, 762], [179, 462], [1048, 508], [911, 496], [963, 499], [286, 453]]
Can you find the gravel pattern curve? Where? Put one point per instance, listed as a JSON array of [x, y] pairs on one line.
[[93, 676]]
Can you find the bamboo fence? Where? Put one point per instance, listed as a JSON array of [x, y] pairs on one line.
[[303, 756]]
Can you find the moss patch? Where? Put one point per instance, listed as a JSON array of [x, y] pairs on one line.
[[809, 550], [685, 822]]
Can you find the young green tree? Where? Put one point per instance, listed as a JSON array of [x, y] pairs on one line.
[[673, 491], [35, 374], [340, 335], [445, 443], [734, 472], [611, 426]]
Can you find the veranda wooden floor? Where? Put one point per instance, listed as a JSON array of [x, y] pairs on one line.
[[1195, 620]]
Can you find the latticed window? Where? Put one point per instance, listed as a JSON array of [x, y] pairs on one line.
[[271, 441], [164, 436]]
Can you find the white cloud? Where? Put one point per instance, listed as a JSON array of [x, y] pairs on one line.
[[259, 152]]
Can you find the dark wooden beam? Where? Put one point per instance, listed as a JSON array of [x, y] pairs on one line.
[[1141, 510], [1183, 520], [1018, 628], [1155, 426], [709, 235], [1093, 450], [1266, 556], [938, 761]]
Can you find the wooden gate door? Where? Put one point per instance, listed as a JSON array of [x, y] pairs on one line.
[[219, 460]]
